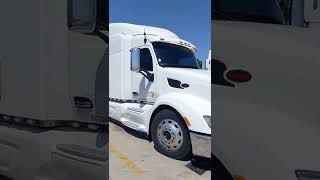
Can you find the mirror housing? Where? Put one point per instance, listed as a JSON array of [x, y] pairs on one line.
[[82, 15], [135, 59], [297, 13], [312, 11], [135, 64]]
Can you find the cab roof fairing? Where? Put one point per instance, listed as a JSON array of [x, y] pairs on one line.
[[153, 34], [176, 41]]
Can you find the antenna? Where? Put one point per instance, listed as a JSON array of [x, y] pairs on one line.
[[145, 36]]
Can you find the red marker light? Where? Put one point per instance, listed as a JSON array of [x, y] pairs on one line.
[[238, 75], [184, 85]]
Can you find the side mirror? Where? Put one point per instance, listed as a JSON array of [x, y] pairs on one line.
[[82, 15], [135, 59], [297, 13], [312, 11]]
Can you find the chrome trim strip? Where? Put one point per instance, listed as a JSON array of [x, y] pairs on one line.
[[136, 110], [130, 101]]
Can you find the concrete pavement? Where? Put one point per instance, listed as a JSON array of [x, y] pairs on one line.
[[133, 157]]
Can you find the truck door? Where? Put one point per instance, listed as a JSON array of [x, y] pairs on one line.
[[88, 56], [142, 88]]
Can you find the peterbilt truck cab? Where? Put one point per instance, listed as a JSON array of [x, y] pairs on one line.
[[156, 87]]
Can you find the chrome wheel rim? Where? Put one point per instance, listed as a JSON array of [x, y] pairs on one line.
[[170, 134]]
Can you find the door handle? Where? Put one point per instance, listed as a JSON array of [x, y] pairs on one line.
[[82, 102], [135, 93]]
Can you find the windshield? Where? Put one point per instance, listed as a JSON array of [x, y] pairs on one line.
[[170, 55], [264, 11]]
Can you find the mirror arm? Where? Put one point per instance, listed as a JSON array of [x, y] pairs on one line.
[[102, 36], [148, 75], [99, 34]]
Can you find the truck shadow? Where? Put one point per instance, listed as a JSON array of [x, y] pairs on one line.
[[202, 163], [218, 171], [4, 178], [205, 164], [130, 131]]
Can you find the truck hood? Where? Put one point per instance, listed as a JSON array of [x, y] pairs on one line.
[[199, 81], [276, 113]]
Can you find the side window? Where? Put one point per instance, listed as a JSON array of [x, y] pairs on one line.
[[146, 60], [82, 15]]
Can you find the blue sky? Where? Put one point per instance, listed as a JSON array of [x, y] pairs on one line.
[[189, 19]]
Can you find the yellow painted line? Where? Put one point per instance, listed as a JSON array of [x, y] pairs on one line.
[[124, 159]]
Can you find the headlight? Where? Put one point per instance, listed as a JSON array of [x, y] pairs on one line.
[[307, 175], [208, 120]]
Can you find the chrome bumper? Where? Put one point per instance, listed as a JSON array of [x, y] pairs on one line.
[[201, 144]]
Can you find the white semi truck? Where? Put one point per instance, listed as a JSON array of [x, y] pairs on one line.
[[265, 74], [53, 89], [157, 87]]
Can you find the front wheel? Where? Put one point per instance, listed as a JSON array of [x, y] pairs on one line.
[[170, 135]]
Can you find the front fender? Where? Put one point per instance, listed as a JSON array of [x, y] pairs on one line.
[[191, 107]]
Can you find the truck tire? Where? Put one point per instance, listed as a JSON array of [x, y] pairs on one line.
[[170, 135]]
